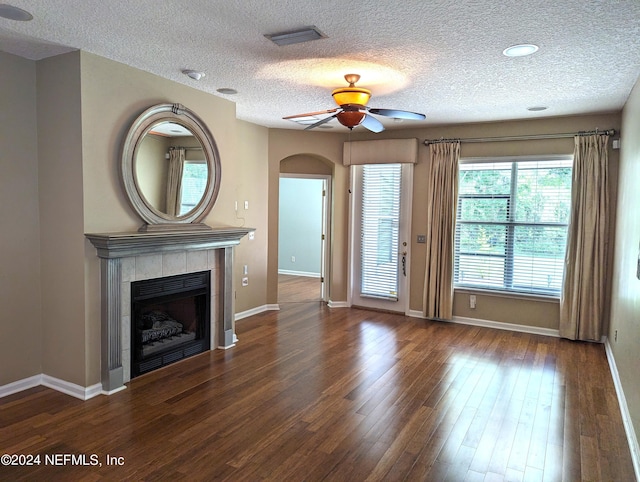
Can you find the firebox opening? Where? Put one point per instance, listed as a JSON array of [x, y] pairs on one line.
[[171, 320]]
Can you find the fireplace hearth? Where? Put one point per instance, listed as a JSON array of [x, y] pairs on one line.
[[170, 320]]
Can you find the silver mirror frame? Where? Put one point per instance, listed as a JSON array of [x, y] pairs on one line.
[[154, 218]]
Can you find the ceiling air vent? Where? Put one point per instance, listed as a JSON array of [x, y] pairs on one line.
[[296, 36]]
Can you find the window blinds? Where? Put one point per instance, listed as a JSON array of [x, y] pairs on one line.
[[511, 229], [380, 222]]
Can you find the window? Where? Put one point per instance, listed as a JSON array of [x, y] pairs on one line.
[[380, 222], [511, 228], [194, 182]]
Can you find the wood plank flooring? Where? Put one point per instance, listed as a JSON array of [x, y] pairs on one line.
[[312, 394], [298, 289]]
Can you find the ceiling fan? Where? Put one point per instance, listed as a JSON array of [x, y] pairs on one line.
[[353, 110]]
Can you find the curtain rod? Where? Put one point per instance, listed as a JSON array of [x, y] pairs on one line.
[[608, 132]]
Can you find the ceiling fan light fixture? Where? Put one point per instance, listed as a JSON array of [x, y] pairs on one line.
[[351, 118], [351, 95]]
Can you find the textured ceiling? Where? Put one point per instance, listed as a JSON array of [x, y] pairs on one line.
[[442, 58]]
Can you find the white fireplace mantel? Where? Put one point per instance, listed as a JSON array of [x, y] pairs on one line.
[[115, 250]]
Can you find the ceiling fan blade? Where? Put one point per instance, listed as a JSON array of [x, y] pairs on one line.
[[398, 114], [371, 123], [326, 119], [310, 114]]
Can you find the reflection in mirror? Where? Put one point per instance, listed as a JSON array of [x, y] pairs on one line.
[[170, 169]]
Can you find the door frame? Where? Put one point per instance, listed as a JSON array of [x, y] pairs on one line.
[[325, 258], [406, 208]]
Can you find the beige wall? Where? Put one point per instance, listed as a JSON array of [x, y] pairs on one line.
[[542, 314], [287, 145], [253, 169], [625, 298], [113, 95], [61, 227], [284, 144], [20, 313]]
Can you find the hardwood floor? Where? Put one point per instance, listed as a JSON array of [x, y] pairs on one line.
[[311, 393], [298, 289]]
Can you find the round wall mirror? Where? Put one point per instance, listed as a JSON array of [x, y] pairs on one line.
[[170, 168]]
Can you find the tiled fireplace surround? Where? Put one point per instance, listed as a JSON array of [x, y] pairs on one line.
[[135, 256]]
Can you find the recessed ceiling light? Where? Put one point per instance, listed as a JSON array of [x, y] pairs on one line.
[[520, 50], [14, 13], [296, 36], [227, 91], [537, 108], [194, 74]]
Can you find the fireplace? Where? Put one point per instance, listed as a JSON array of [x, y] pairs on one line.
[[170, 320], [129, 257]]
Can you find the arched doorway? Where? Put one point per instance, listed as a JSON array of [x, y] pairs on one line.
[[304, 229]]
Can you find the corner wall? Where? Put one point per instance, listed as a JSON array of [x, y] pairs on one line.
[[625, 295], [20, 315]]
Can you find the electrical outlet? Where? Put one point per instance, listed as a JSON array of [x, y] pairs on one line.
[[472, 302], [615, 336], [422, 239], [246, 205], [293, 259], [245, 281], [252, 235]]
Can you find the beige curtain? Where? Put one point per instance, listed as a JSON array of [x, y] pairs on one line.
[[442, 194], [174, 180], [583, 291]]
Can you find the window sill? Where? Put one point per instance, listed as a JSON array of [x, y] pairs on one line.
[[508, 294]]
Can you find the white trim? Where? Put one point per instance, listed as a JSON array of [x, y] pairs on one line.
[[327, 209], [68, 388], [111, 392], [20, 385], [499, 325], [632, 440], [83, 393], [535, 330], [256, 311], [338, 304], [306, 274]]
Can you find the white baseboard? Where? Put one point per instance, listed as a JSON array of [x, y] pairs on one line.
[[20, 385], [83, 393], [536, 330], [337, 304], [256, 311], [632, 440], [306, 274]]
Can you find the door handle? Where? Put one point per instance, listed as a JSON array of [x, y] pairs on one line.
[[404, 263]]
